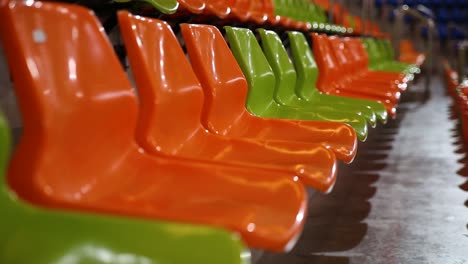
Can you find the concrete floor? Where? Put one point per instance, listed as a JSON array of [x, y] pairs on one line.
[[404, 199]]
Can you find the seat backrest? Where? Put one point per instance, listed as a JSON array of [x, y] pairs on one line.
[[320, 14], [372, 51], [164, 6], [222, 79], [303, 10], [279, 7], [304, 62], [338, 12], [407, 46], [349, 21], [257, 8], [381, 49], [268, 7], [193, 6], [293, 10], [240, 8], [322, 3], [353, 56], [387, 47], [74, 97], [255, 67], [358, 24], [281, 64], [219, 8], [326, 63], [359, 51], [338, 48], [171, 96]]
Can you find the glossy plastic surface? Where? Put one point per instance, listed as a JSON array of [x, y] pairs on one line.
[[379, 59], [217, 8], [163, 6], [353, 64], [30, 234], [286, 83], [261, 12], [386, 48], [286, 76], [262, 83], [329, 70], [239, 10], [258, 13], [361, 62], [306, 90], [306, 15], [79, 139], [192, 6], [285, 9], [162, 90], [226, 88], [354, 84], [360, 68]]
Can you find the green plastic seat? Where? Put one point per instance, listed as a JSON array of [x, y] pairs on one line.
[[386, 47], [163, 6], [387, 54], [262, 85], [30, 234], [307, 73], [286, 83], [321, 17], [306, 11], [380, 61]]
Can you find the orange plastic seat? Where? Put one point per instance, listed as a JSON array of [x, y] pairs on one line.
[[226, 88], [356, 84], [272, 18], [322, 3], [171, 109], [389, 81], [220, 9], [78, 149], [257, 12], [260, 12], [329, 69], [240, 9], [358, 25], [235, 11], [364, 82]]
